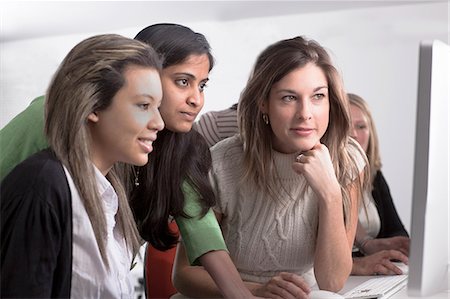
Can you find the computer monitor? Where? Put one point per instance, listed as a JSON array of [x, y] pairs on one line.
[[429, 257]]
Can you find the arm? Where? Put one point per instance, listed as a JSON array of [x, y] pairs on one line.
[[28, 253], [225, 275], [196, 282], [368, 245], [35, 229], [333, 261], [204, 242], [399, 243], [392, 235]]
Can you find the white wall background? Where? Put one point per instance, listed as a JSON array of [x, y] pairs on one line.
[[376, 50]]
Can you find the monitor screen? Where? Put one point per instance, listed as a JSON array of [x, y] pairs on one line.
[[429, 257]]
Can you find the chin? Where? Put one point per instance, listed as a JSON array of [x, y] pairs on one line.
[[183, 128], [305, 147], [141, 161]]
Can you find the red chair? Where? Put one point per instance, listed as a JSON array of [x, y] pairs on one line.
[[158, 270]]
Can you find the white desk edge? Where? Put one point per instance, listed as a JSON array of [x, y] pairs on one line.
[[354, 281]]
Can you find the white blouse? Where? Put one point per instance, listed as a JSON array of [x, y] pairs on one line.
[[369, 217], [90, 277]]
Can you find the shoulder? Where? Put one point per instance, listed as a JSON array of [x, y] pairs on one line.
[[42, 167], [206, 121], [227, 113], [30, 117], [41, 176], [227, 149], [379, 182], [207, 127], [379, 176], [357, 154]]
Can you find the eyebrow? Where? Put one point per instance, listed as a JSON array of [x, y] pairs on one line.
[[150, 97], [292, 91], [320, 87], [146, 95], [190, 76]]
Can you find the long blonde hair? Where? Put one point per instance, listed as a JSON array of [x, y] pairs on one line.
[[275, 62], [373, 149], [86, 81]]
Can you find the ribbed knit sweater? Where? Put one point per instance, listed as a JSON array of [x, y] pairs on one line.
[[265, 236], [217, 125]]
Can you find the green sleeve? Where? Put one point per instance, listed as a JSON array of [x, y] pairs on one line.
[[200, 235], [22, 136]]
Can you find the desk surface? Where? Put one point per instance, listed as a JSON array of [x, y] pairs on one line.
[[353, 281]]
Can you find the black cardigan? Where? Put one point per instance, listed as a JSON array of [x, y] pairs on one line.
[[36, 230], [391, 225]]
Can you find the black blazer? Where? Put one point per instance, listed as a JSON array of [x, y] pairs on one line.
[[36, 230]]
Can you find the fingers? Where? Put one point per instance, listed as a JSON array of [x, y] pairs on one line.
[[296, 280], [319, 147], [287, 286], [396, 255], [385, 266]]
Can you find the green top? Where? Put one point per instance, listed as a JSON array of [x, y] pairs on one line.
[[200, 235], [24, 136]]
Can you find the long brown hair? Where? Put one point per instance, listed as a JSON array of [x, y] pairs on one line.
[[275, 62], [86, 81]]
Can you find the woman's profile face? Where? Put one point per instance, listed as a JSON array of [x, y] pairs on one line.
[[183, 98], [126, 129], [360, 127], [298, 109]]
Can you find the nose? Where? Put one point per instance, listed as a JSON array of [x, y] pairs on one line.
[[303, 110], [156, 122], [195, 98], [352, 131]]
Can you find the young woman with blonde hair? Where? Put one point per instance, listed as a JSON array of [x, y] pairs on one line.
[[66, 227], [381, 236]]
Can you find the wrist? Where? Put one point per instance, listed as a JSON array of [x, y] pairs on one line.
[[254, 288], [362, 244]]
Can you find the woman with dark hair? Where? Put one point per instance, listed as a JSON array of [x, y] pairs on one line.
[[186, 66], [175, 183]]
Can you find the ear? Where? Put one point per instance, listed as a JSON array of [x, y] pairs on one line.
[[263, 107], [93, 117]]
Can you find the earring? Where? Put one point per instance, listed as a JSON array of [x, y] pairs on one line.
[[265, 118]]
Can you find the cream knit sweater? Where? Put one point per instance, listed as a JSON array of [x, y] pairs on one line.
[[265, 236]]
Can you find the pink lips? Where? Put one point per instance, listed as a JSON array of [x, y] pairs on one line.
[[189, 116], [304, 132], [146, 144]]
